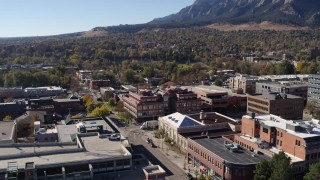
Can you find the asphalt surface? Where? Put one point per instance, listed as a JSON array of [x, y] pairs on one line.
[[153, 154]]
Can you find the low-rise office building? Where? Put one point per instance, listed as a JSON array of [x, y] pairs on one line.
[[314, 90], [180, 127], [215, 98], [83, 150], [181, 100], [221, 159], [97, 84], [84, 74], [296, 88], [269, 134], [43, 91], [144, 105], [247, 83], [14, 92], [90, 154], [284, 105]]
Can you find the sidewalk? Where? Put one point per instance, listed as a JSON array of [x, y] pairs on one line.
[[177, 158]]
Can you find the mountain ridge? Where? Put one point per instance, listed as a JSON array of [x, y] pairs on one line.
[[204, 12]]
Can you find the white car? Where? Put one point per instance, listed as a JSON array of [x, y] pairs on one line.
[[114, 137]]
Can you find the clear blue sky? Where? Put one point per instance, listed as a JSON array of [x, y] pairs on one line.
[[51, 17]]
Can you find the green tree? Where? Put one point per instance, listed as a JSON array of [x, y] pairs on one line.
[[314, 172], [276, 169], [218, 82], [100, 111], [112, 102], [262, 171], [7, 118], [280, 166]]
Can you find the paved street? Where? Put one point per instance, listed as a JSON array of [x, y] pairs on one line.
[[137, 138]]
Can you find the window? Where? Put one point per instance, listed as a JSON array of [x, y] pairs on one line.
[[280, 143], [265, 130], [297, 143], [277, 133], [281, 134]]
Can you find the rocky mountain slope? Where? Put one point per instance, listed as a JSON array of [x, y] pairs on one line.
[[203, 12]]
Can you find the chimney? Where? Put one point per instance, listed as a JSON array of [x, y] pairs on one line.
[[253, 115], [201, 115]]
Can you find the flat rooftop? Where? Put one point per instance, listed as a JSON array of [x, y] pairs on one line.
[[6, 130], [305, 129], [213, 118], [20, 150], [65, 132], [211, 133], [272, 96], [213, 89], [216, 145], [102, 146], [95, 149], [285, 83]]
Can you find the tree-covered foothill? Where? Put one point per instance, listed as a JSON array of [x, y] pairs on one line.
[[35, 78], [277, 169], [183, 55]]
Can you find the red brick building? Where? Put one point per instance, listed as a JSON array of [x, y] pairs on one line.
[[144, 105], [284, 105], [97, 84], [181, 100], [219, 158], [269, 134]]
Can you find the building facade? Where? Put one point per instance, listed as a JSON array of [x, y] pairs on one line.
[[219, 158], [296, 88], [269, 134], [97, 84], [180, 127], [314, 90], [144, 105], [284, 105]]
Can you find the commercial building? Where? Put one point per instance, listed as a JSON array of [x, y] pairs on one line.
[[221, 159], [180, 100], [296, 88], [43, 91], [83, 150], [97, 84], [269, 134], [244, 83], [144, 105], [64, 106], [12, 109], [314, 90], [215, 98], [284, 105], [247, 83], [14, 92], [84, 75], [180, 127]]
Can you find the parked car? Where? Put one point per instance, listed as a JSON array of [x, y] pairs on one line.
[[114, 137]]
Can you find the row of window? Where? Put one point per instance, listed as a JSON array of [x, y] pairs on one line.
[[258, 101], [244, 145], [205, 156], [258, 107], [146, 107]]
